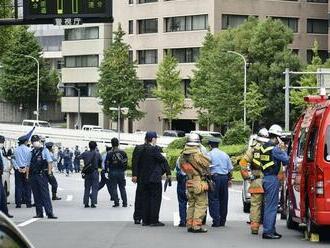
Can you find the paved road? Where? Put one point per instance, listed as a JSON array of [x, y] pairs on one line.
[[105, 226]]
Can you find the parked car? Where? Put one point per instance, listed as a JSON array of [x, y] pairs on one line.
[[11, 236], [307, 193], [35, 123], [208, 134], [91, 128], [174, 133]]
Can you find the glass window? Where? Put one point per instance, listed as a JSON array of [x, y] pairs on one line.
[[51, 43], [147, 1], [130, 56], [233, 21], [302, 142], [184, 55], [86, 33], [147, 56], [312, 145], [186, 87], [130, 1], [86, 89], [327, 145], [317, 26], [148, 26], [149, 86], [186, 23], [130, 27], [323, 54], [81, 61], [317, 1], [292, 23]]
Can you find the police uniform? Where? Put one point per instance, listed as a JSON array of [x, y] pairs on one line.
[[181, 179], [51, 177], [270, 159], [38, 171], [76, 160], [104, 180], [21, 160], [196, 166]]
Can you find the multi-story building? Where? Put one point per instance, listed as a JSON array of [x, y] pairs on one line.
[[178, 27]]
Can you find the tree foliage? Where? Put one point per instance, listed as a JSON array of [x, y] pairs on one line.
[[217, 85], [118, 83], [18, 82], [5, 31], [169, 88]]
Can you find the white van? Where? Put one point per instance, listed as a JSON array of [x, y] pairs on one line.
[[91, 128], [35, 123]]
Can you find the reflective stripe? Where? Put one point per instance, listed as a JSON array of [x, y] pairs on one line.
[[264, 167], [257, 162], [267, 149]]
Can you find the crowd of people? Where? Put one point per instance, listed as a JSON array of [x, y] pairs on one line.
[[203, 177]]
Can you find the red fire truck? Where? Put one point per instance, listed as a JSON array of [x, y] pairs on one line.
[[308, 173]]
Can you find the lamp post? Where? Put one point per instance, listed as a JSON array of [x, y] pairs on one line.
[[78, 91], [245, 78], [119, 109], [38, 79]]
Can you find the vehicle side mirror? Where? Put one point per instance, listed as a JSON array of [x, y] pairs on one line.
[[8, 238]]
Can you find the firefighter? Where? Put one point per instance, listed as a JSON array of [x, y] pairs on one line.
[[270, 159], [253, 172], [196, 166]]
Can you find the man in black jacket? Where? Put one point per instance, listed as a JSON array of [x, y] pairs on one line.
[[115, 166], [148, 167]]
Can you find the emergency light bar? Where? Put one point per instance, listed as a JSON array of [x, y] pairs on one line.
[[316, 99]]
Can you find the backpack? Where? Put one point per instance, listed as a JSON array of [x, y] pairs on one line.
[[116, 159]]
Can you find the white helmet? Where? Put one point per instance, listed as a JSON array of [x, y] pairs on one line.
[[193, 139], [263, 135], [276, 130]]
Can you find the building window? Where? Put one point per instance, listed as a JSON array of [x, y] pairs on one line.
[[147, 1], [233, 21], [317, 1], [86, 33], [147, 26], [186, 23], [86, 90], [295, 51], [184, 55], [292, 23], [81, 61], [130, 27], [186, 87], [130, 56], [323, 54], [317, 26], [147, 57], [149, 87], [51, 43], [130, 1]]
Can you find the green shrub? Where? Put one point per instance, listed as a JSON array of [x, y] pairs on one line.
[[237, 134], [177, 143], [129, 152], [172, 156]]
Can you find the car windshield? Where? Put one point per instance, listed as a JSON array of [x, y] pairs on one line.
[[44, 124]]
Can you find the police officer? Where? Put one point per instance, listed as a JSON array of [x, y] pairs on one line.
[[149, 167], [76, 160], [51, 177], [21, 160], [104, 180], [60, 160], [181, 179], [38, 170], [270, 159], [115, 166], [92, 163], [3, 197], [220, 170], [67, 160], [196, 166]]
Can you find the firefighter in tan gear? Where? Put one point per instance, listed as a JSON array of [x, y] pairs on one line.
[[196, 166], [253, 172]]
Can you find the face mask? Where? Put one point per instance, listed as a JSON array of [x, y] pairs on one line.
[[36, 144]]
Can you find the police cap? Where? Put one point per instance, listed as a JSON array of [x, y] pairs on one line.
[[214, 140], [49, 144], [23, 138], [2, 139], [35, 138]]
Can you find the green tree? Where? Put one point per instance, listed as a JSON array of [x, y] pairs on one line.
[[217, 85], [5, 31], [169, 88], [255, 103], [18, 82], [118, 83]]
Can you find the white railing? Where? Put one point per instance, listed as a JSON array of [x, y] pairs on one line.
[[70, 137]]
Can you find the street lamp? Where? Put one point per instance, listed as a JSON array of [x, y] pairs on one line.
[[245, 86], [38, 69], [78, 91], [119, 109]]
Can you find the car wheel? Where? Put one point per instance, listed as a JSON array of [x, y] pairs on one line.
[[246, 207], [289, 222], [310, 225]]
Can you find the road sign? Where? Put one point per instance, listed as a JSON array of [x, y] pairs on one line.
[[50, 10]]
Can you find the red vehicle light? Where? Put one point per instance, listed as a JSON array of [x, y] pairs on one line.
[[315, 99], [319, 183]]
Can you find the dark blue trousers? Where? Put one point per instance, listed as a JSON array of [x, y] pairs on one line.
[[3, 199], [117, 179], [22, 189], [76, 163], [53, 182], [182, 198], [138, 203], [218, 200], [39, 185], [271, 187], [105, 181], [91, 187]]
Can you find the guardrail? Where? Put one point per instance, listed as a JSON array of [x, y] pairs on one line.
[[72, 137]]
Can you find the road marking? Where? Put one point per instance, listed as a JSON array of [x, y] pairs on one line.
[[176, 218], [28, 222], [69, 197], [166, 198]]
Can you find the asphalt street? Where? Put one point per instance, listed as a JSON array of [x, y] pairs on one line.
[[107, 227]]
